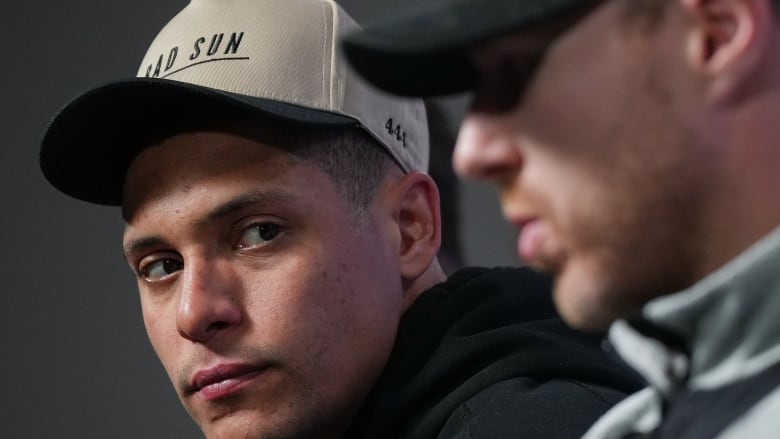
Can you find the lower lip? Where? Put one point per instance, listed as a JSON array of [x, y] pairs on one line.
[[228, 387], [531, 241]]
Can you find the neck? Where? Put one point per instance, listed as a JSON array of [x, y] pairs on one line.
[[745, 206], [432, 276]]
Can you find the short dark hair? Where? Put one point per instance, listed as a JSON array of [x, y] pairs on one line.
[[355, 161]]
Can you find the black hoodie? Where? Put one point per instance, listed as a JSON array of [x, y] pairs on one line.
[[485, 355]]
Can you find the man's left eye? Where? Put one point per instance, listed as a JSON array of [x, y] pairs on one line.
[[258, 234]]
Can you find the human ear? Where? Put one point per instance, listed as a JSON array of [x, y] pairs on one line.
[[418, 217], [728, 42]]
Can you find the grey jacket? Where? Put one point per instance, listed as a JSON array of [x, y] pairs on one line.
[[711, 355]]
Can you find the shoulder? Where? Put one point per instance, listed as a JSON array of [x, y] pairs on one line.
[[500, 278], [759, 421], [523, 292], [531, 408]]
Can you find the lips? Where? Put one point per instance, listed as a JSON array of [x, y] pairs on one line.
[[224, 380], [531, 240], [537, 245]]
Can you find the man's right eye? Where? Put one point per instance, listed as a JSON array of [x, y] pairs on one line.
[[160, 269], [502, 89]]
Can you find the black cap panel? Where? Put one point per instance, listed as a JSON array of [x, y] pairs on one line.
[[425, 50], [89, 145]]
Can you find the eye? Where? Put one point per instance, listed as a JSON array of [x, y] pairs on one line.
[[159, 269], [502, 88], [258, 235]]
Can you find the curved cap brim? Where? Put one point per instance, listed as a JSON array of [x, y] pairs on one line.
[[89, 145]]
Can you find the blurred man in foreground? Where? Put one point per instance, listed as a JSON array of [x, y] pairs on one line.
[[634, 145]]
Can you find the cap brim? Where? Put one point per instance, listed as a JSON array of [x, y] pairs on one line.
[[426, 51], [89, 145]]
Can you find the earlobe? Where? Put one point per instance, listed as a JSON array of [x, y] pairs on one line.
[[727, 42], [419, 223]]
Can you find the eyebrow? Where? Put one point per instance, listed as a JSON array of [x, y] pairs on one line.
[[137, 245], [228, 208], [240, 202]]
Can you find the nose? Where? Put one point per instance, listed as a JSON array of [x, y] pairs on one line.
[[209, 303], [486, 148]]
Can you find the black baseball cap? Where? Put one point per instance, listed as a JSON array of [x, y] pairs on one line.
[[424, 51]]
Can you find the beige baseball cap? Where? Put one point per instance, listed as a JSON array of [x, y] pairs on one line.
[[273, 58]]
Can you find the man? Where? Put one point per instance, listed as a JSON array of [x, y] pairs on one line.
[[284, 237], [635, 146]]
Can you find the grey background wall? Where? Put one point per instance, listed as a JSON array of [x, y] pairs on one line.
[[74, 360]]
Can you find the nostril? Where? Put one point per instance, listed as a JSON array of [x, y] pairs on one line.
[[496, 173], [217, 326], [203, 334]]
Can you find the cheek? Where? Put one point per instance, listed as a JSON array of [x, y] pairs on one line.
[[596, 175], [564, 186], [363, 297], [152, 317], [322, 303], [334, 319], [571, 107], [162, 335]]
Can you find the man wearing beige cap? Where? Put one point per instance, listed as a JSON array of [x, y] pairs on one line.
[[635, 144], [284, 233]]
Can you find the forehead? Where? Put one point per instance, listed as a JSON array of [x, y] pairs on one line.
[[204, 166]]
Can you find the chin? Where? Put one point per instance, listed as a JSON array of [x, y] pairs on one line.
[[586, 301], [250, 424], [240, 424]]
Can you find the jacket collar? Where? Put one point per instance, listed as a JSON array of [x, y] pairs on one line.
[[727, 325]]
